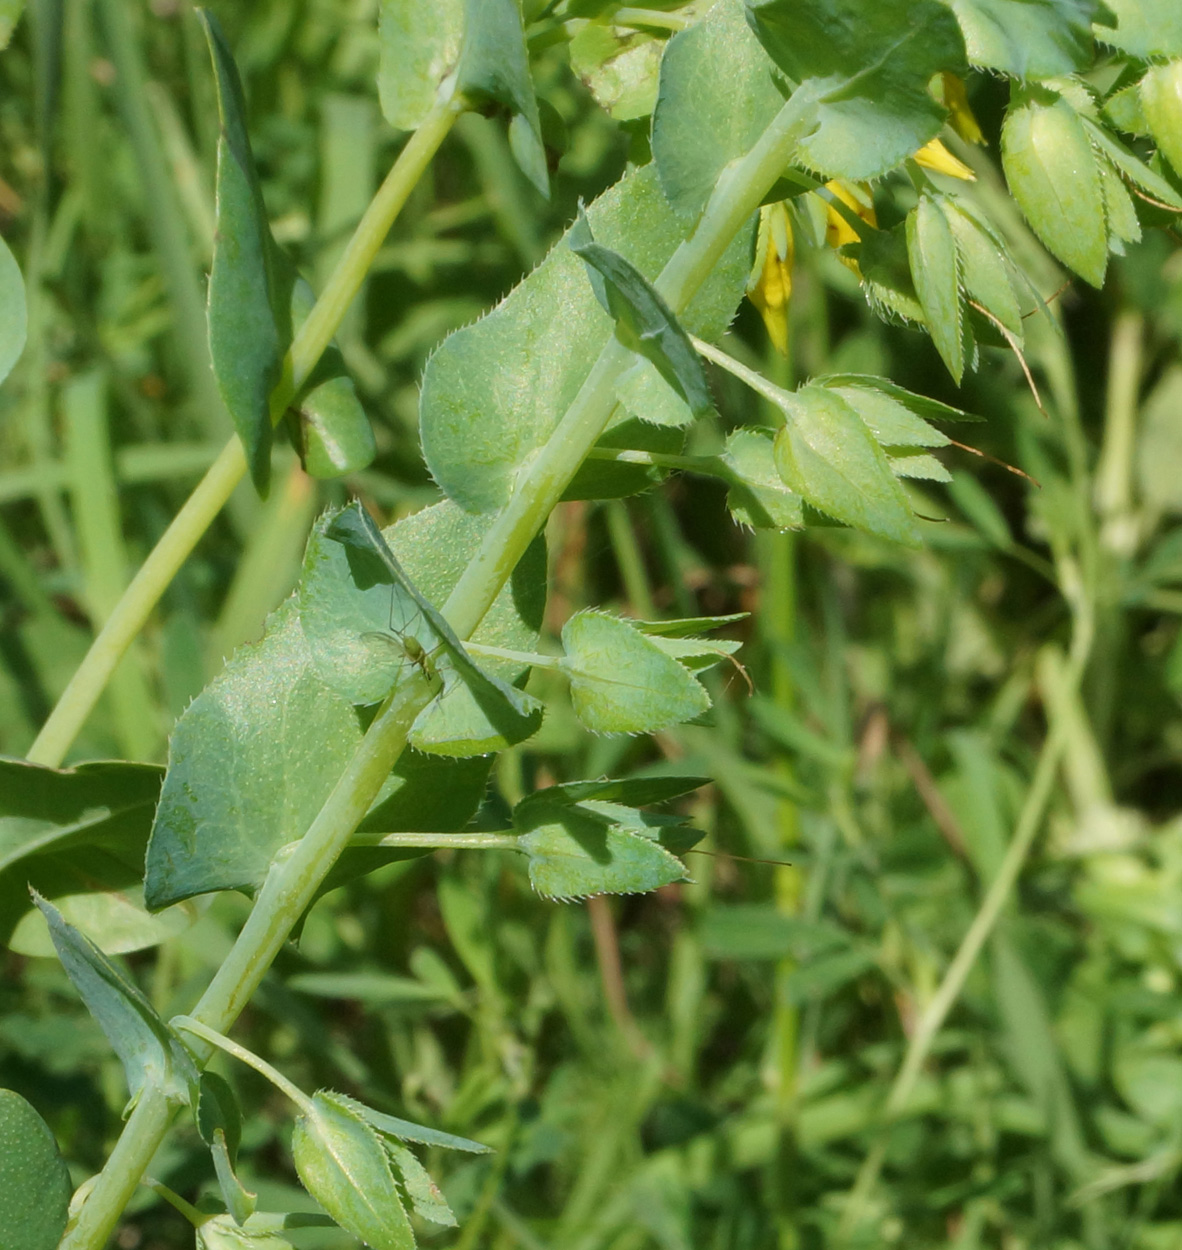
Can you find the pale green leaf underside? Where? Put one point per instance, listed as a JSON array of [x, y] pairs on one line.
[[419, 45], [1027, 38]]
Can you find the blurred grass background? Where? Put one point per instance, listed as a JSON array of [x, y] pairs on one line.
[[702, 1067]]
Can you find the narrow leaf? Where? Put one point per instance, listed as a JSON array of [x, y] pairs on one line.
[[931, 251], [13, 312], [622, 682], [426, 1198], [983, 270], [150, 1054], [342, 1164], [406, 1130], [828, 456], [644, 322], [1136, 171], [892, 424], [1161, 102], [34, 1181], [249, 289]]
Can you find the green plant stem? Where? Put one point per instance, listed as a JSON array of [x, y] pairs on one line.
[[290, 888], [931, 1021], [505, 841], [186, 1024], [735, 198], [211, 493], [295, 877]]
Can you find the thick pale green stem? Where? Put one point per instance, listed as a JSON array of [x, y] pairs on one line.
[[166, 558], [289, 890], [735, 198], [296, 876]]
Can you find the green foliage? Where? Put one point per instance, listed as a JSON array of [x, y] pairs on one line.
[[917, 987], [34, 1181]]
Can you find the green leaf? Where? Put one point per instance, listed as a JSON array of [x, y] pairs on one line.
[[343, 1165], [599, 478], [13, 312], [494, 67], [149, 1052], [1028, 38], [1120, 214], [918, 465], [1143, 28], [644, 322], [875, 62], [983, 272], [34, 1181], [405, 1130], [426, 1198], [250, 282], [892, 423], [10, 14], [251, 762], [579, 849], [494, 391], [621, 681], [419, 45], [920, 405], [332, 434], [931, 251], [1136, 171], [828, 456], [645, 394], [477, 711], [760, 931], [1161, 101], [72, 831], [1052, 172], [619, 68], [219, 1121], [717, 96], [634, 791]]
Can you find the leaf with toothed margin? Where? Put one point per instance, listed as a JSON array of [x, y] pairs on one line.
[[623, 682], [828, 456], [579, 842], [758, 495], [494, 391], [935, 271]]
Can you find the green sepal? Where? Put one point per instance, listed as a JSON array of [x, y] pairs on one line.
[[150, 1053], [644, 322]]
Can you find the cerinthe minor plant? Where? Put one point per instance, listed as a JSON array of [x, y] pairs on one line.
[[363, 727]]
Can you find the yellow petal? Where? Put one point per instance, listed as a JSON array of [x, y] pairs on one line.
[[770, 286], [838, 230], [935, 156], [960, 116]]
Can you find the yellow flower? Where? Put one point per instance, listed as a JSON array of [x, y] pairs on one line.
[[770, 284], [960, 116], [838, 231], [935, 156]]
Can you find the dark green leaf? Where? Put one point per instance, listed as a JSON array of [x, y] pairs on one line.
[[644, 322], [717, 96], [875, 62], [343, 1165], [494, 391], [931, 251], [150, 1054], [13, 313], [34, 1182], [826, 454], [10, 14], [71, 831], [760, 931], [634, 791], [1028, 38], [250, 283], [405, 1130], [251, 762], [826, 974], [1053, 174], [494, 66], [621, 681]]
